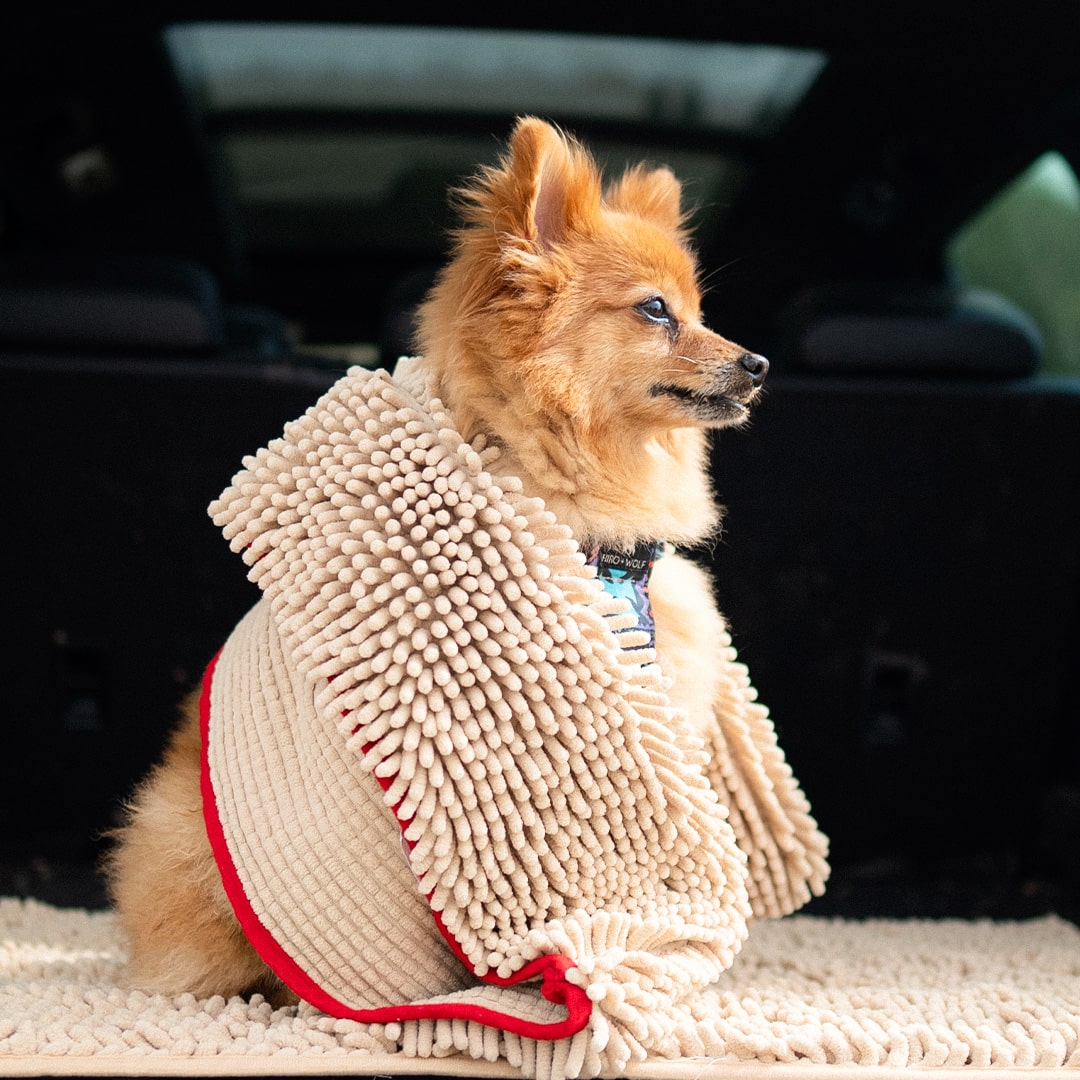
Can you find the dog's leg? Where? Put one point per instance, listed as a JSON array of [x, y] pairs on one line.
[[687, 629], [167, 891]]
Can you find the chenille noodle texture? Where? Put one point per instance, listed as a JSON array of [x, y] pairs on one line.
[[807, 999], [440, 784]]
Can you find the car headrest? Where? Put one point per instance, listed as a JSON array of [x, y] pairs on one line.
[[110, 304], [919, 329]]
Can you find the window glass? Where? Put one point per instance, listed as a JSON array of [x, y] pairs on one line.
[[1025, 244], [746, 88], [350, 136]]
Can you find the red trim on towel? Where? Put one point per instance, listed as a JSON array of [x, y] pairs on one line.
[[550, 969]]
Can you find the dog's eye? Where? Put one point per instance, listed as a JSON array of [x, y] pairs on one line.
[[655, 310]]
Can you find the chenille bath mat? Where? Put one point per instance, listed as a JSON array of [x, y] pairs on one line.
[[807, 997]]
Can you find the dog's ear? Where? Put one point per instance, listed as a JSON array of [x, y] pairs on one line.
[[654, 194], [554, 184]]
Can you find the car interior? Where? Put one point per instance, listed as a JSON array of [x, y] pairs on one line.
[[207, 217]]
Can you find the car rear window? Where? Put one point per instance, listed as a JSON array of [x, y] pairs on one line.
[[1025, 244], [337, 137]]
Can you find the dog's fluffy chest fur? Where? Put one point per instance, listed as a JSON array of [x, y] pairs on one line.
[[657, 493]]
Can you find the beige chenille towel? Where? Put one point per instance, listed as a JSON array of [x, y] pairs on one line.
[[440, 788]]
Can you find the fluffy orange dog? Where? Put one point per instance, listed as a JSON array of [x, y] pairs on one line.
[[568, 328]]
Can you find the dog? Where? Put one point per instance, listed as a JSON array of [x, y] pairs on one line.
[[567, 329]]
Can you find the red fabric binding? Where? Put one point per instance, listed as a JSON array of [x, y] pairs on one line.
[[550, 969]]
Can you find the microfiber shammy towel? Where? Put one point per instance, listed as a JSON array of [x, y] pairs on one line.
[[445, 792]]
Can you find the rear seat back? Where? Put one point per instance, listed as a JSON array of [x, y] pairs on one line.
[[131, 392], [902, 572]]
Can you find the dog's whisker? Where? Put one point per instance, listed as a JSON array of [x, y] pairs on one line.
[[721, 273], [689, 360]]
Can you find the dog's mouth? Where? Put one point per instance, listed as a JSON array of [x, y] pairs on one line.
[[713, 409]]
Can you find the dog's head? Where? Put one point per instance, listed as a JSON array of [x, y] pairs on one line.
[[581, 305]]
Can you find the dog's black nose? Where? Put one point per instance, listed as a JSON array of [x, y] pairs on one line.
[[757, 367]]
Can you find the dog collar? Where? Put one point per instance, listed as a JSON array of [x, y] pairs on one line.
[[625, 574]]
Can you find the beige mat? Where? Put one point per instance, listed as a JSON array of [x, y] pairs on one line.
[[807, 997]]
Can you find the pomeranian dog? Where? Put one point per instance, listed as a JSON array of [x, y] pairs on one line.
[[567, 328]]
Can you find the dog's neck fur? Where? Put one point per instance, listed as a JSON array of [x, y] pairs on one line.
[[650, 487]]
